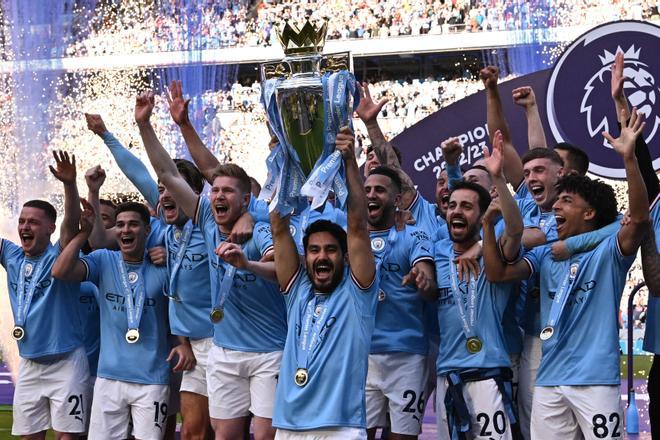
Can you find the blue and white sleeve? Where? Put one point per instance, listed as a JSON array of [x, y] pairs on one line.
[[453, 173], [133, 168]]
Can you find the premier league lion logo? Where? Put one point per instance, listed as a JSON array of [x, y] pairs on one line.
[[579, 102]]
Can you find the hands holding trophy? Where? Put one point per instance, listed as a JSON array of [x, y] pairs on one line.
[[308, 98]]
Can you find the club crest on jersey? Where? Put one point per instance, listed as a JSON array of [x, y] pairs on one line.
[[573, 271], [578, 101], [318, 310], [28, 269], [377, 244], [132, 277], [177, 235]]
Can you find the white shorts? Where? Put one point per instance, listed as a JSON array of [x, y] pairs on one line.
[[484, 402], [396, 383], [322, 434], [241, 382], [576, 412], [117, 402], [194, 381], [530, 359], [52, 394]]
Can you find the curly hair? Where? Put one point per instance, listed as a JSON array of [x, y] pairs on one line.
[[598, 194]]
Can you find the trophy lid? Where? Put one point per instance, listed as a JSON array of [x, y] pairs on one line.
[[307, 41]]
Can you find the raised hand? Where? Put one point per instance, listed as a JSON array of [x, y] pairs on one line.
[[87, 217], [66, 167], [158, 255], [494, 210], [489, 75], [232, 254], [178, 104], [625, 143], [416, 278], [368, 110], [94, 177], [618, 78], [452, 150], [144, 105], [494, 162], [524, 97], [345, 143], [95, 123]]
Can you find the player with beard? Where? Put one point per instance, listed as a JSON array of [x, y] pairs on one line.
[[331, 307], [579, 301], [397, 375], [474, 380], [133, 375], [53, 374], [248, 312]]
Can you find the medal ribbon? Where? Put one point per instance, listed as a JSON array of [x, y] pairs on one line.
[[178, 259], [311, 331], [23, 296], [225, 282], [134, 297], [468, 317], [561, 296]]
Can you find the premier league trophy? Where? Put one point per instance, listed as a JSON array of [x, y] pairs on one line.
[[308, 98]]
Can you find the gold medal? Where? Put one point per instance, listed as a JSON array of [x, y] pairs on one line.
[[474, 345], [301, 376], [18, 333], [132, 335], [547, 333], [217, 315]]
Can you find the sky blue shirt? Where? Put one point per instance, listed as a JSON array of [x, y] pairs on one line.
[[400, 316], [254, 311], [190, 316], [491, 301], [88, 313], [145, 361], [335, 393], [427, 218], [50, 327], [584, 349], [652, 337]]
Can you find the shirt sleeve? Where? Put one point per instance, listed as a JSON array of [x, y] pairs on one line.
[[258, 209], [589, 240], [133, 168], [8, 251], [453, 174], [420, 245], [93, 263], [263, 238], [534, 257]]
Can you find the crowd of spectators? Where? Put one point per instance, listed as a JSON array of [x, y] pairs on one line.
[[167, 25]]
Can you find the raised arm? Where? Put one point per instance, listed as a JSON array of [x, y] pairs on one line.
[[651, 262], [202, 156], [234, 255], [513, 231], [68, 266], [287, 261], [163, 164], [65, 172], [363, 265], [513, 170], [451, 151], [129, 164], [494, 266], [99, 238], [524, 97], [631, 234]]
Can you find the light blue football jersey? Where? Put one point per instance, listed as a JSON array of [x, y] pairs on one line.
[[50, 329], [143, 362], [491, 300], [584, 349], [299, 222], [156, 237], [335, 393], [652, 336], [254, 311], [189, 315], [427, 218], [88, 313], [400, 316]]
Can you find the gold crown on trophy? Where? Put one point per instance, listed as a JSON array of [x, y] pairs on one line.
[[307, 40]]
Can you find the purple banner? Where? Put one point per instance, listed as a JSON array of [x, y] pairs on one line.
[[576, 95]]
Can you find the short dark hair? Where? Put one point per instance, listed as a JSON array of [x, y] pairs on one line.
[[140, 208], [598, 194], [235, 171], [47, 208], [542, 153], [107, 202], [190, 174], [390, 172], [396, 150], [578, 159], [484, 196], [326, 226]]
